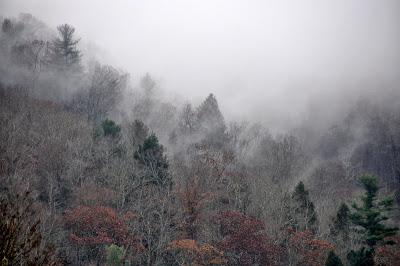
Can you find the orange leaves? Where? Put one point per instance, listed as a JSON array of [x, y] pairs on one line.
[[308, 250], [196, 254], [185, 244], [192, 199], [245, 240], [96, 225]]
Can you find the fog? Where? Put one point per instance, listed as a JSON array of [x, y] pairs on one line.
[[268, 61]]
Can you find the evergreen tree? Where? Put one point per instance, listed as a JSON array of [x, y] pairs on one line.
[[301, 212], [137, 134], [209, 115], [210, 122], [369, 218], [361, 257], [115, 255], [110, 128], [66, 53], [333, 260], [340, 226], [151, 156]]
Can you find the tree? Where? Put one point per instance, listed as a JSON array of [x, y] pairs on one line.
[[211, 122], [115, 255], [301, 213], [361, 257], [103, 94], [187, 120], [304, 249], [282, 157], [91, 228], [341, 223], [96, 225], [137, 134], [389, 254], [368, 219], [110, 128], [66, 53], [189, 252], [20, 236], [151, 156], [244, 240], [333, 259], [192, 200]]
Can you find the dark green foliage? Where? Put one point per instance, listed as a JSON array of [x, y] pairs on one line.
[[301, 213], [333, 260], [20, 237], [362, 257], [66, 53], [341, 223], [110, 128], [371, 215], [115, 255], [151, 156], [369, 218]]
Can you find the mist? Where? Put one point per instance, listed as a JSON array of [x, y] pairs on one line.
[[209, 132], [266, 61]]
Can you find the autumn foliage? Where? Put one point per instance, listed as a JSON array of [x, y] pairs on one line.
[[197, 254], [244, 240], [307, 250], [192, 200], [96, 225], [389, 254]]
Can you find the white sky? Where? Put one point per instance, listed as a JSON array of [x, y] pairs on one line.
[[263, 59]]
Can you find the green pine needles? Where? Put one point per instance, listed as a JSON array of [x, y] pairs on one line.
[[369, 218]]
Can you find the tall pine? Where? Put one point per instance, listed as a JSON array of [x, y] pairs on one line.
[[369, 219], [65, 51], [151, 156], [301, 213], [333, 260], [340, 227]]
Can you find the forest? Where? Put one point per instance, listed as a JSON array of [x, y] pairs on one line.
[[98, 169]]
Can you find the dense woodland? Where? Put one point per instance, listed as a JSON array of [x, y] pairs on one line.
[[97, 168]]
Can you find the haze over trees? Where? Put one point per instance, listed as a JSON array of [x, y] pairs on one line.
[[98, 169]]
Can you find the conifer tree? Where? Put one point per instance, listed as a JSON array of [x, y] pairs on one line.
[[210, 121], [66, 53], [333, 260], [301, 213], [340, 227], [115, 255], [110, 128], [151, 156], [369, 218]]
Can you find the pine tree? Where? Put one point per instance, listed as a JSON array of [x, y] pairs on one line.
[[209, 115], [369, 218], [361, 257], [340, 226], [333, 260], [301, 213], [66, 53], [110, 128], [210, 122], [151, 156], [115, 255]]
